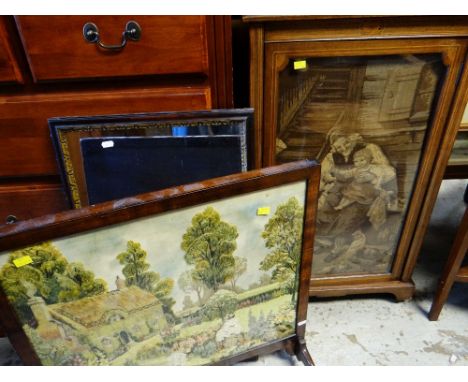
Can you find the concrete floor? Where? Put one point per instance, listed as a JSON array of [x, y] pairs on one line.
[[376, 330]]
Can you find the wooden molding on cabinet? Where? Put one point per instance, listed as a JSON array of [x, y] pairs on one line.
[[220, 61], [256, 89], [323, 28]]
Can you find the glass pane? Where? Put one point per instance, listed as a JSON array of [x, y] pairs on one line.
[[460, 150], [365, 119]]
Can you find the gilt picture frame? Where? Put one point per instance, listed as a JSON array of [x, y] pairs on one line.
[[129, 154], [213, 272]]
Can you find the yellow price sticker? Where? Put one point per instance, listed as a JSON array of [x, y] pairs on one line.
[[263, 211], [298, 65], [22, 261]]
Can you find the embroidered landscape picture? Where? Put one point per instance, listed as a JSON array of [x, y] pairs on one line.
[[365, 119], [186, 287]]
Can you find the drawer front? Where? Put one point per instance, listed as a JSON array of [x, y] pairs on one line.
[[56, 49], [25, 141], [31, 200]]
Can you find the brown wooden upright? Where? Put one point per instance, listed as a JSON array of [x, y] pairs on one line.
[[313, 77], [453, 270]]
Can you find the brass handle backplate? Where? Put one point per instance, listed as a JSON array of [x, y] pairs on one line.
[[132, 32]]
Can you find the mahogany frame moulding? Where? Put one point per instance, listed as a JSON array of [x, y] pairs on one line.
[[273, 40], [72, 222]]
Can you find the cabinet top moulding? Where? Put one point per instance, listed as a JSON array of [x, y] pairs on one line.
[[316, 28]]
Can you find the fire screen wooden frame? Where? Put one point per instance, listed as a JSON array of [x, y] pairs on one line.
[[240, 248], [279, 44]]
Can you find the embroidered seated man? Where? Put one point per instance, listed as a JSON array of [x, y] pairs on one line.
[[357, 178], [364, 178]]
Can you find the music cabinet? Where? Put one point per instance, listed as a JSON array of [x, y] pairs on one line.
[[377, 100]]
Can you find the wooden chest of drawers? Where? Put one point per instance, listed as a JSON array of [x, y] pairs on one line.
[[47, 69]]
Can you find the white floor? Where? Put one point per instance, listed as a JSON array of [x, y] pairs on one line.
[[376, 330]]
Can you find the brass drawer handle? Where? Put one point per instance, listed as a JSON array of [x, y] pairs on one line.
[[10, 219], [132, 32]]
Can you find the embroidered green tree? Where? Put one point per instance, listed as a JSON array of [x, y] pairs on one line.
[[136, 272], [77, 282], [209, 244], [283, 235], [49, 276]]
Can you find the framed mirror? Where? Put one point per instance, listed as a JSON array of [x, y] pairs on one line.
[[103, 158]]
